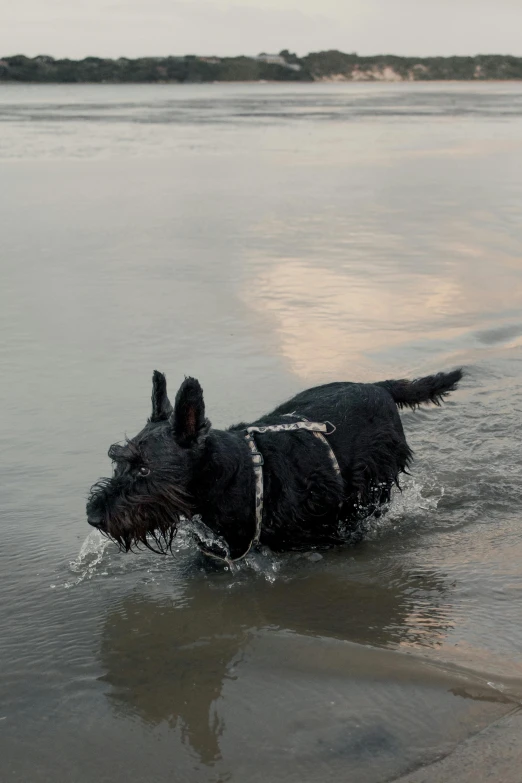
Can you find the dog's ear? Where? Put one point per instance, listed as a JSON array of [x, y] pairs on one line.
[[188, 419], [161, 407]]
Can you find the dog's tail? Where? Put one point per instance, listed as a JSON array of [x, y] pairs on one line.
[[433, 388]]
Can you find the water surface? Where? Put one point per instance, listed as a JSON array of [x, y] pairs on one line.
[[262, 238]]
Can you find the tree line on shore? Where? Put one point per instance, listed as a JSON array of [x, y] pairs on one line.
[[327, 65]]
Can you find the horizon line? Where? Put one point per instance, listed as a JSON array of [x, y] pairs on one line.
[[259, 54]]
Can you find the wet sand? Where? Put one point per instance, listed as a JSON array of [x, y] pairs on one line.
[[494, 754]]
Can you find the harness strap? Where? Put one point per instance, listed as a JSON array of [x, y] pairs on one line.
[[318, 433], [319, 430]]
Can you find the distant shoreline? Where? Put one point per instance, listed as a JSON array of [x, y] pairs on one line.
[[261, 82], [318, 67]]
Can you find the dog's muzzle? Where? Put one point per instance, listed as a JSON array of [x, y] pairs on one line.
[[95, 519]]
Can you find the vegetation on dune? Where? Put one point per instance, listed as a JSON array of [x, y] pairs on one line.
[[144, 69], [283, 67]]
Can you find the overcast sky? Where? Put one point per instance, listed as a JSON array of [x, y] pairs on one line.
[[133, 28]]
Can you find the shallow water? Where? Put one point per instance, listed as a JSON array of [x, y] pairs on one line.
[[262, 238]]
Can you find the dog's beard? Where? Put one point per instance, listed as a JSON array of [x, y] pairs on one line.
[[136, 527], [149, 521]]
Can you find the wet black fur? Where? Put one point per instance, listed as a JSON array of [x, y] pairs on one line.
[[179, 467]]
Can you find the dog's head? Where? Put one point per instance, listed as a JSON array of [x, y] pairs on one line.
[[149, 490]]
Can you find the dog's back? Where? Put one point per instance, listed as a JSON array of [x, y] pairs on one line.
[[405, 393], [369, 440]]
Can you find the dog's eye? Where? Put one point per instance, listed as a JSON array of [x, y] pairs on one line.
[[143, 471]]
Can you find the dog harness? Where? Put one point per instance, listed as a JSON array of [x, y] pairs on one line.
[[318, 429]]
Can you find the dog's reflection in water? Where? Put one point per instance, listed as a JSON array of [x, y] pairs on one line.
[[170, 661]]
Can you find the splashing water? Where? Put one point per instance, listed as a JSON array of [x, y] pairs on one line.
[[406, 506], [214, 544], [89, 557], [262, 561], [415, 498], [259, 559]]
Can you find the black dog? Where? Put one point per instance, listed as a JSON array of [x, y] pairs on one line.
[[304, 475]]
